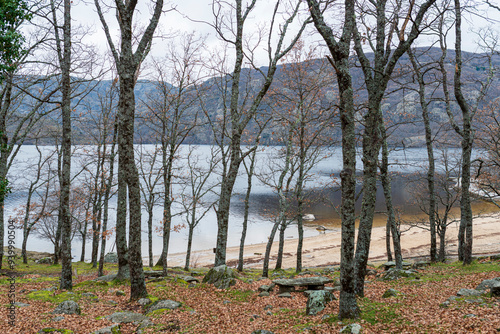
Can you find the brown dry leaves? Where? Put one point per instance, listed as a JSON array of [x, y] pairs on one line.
[[240, 310]]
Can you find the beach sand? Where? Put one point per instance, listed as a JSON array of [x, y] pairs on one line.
[[324, 249]]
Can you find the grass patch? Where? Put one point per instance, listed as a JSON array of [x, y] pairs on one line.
[[375, 312], [50, 296]]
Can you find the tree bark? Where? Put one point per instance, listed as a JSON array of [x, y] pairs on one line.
[[339, 50], [66, 282]]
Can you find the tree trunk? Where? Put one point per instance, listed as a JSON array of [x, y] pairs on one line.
[[131, 176], [269, 245], [465, 229], [386, 185], [250, 172], [371, 148], [150, 234], [189, 244], [348, 307], [279, 260], [107, 195], [388, 239], [65, 61], [442, 243]]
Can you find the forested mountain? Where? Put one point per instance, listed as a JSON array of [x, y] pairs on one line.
[[401, 106]]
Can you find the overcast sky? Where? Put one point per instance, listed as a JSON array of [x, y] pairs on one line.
[[186, 12]]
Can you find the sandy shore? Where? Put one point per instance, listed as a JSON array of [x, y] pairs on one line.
[[324, 249]]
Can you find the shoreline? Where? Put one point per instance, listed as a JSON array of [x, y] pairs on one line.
[[324, 249]]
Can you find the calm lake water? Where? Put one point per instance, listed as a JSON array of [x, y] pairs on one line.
[[322, 184]]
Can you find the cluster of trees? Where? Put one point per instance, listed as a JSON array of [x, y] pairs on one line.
[[295, 97]]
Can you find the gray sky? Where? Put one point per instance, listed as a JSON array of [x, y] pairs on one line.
[[200, 10]]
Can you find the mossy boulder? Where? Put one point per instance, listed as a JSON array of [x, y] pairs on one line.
[[164, 304], [45, 260], [221, 277], [67, 307], [317, 300]]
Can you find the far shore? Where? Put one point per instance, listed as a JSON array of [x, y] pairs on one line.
[[324, 249]]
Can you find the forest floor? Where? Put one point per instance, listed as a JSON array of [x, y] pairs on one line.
[[417, 308]]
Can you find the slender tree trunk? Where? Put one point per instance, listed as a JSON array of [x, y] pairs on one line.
[[131, 176], [386, 185], [107, 195], [279, 260], [388, 239], [150, 234], [96, 209], [348, 307], [269, 245], [465, 229], [442, 243], [250, 172], [430, 154], [168, 153], [371, 148], [65, 59], [227, 186], [189, 245]]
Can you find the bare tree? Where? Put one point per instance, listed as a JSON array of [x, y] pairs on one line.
[[230, 21], [196, 193], [128, 64], [339, 48], [172, 113]]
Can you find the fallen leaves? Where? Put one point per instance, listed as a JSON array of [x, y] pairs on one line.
[[205, 309]]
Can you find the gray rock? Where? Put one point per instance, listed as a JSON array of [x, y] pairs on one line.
[[371, 272], [495, 290], [45, 260], [189, 279], [89, 294], [262, 331], [19, 304], [352, 329], [120, 293], [126, 317], [421, 264], [474, 301], [267, 288], [392, 264], [268, 307], [105, 278], [52, 288], [67, 307], [164, 304], [264, 294], [390, 293], [221, 277], [394, 274], [113, 329], [468, 293], [145, 323], [111, 257], [285, 295], [487, 284], [144, 301], [58, 318], [317, 301]]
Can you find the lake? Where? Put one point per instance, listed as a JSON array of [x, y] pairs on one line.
[[322, 184]]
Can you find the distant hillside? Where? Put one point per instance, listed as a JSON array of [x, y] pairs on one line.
[[401, 105]]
